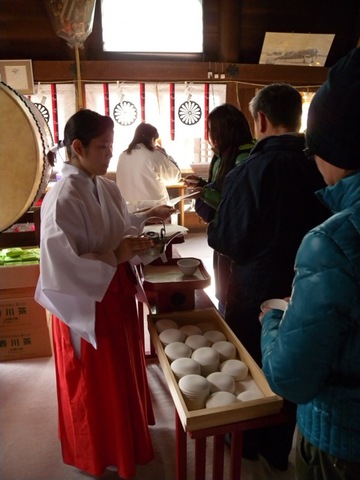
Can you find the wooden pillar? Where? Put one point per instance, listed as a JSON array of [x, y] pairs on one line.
[[240, 96]]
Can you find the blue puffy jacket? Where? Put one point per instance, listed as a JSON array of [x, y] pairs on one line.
[[311, 353]]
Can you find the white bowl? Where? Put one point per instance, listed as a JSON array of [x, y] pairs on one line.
[[220, 399], [177, 350], [188, 266], [165, 323], [208, 358], [249, 395], [235, 368], [277, 303], [214, 336], [190, 330], [197, 341], [170, 335], [220, 381], [226, 350], [185, 366], [195, 390]]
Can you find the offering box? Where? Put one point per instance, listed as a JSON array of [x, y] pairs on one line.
[[270, 404], [169, 289]]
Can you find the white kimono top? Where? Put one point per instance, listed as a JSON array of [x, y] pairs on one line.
[[82, 223], [142, 176]]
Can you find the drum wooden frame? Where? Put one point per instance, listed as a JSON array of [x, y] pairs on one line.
[[25, 139]]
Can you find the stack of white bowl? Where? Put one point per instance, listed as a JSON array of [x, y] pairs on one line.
[[176, 350], [220, 399], [165, 323], [191, 330], [248, 395], [226, 350], [195, 390], [214, 336], [208, 358], [185, 366], [197, 341], [170, 335], [236, 368], [221, 382]]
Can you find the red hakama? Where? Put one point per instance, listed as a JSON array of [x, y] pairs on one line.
[[103, 397]]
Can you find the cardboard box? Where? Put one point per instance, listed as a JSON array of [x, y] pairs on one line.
[[24, 331], [19, 275], [270, 404]]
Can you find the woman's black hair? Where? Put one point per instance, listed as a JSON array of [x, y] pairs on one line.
[[84, 125], [144, 133], [228, 130]]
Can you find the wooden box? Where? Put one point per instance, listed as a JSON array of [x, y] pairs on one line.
[[270, 404], [169, 289]]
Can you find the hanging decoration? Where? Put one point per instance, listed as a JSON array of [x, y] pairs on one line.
[[54, 107], [72, 20], [41, 104], [172, 111], [142, 101], [43, 110], [189, 111], [125, 112], [106, 99], [206, 110]]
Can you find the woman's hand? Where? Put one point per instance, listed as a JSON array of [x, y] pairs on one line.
[[196, 192], [131, 246], [191, 180]]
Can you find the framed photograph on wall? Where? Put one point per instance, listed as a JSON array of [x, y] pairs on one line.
[[300, 49], [18, 75]]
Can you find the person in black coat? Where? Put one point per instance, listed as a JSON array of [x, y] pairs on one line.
[[267, 206]]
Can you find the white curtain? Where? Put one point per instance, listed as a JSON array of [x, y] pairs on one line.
[[156, 110]]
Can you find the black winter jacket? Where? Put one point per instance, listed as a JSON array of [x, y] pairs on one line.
[[267, 206]]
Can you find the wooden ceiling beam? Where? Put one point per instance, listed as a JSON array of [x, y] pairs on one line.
[[165, 71]]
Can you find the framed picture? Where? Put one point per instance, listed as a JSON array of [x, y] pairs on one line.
[[300, 49], [18, 75]]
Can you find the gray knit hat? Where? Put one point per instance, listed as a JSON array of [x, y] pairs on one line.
[[333, 126]]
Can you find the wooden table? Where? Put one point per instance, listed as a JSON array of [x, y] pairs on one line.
[[180, 189]]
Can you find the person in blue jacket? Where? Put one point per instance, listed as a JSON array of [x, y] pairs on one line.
[[311, 352]]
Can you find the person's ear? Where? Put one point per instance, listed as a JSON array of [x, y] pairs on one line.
[[77, 147], [262, 122]]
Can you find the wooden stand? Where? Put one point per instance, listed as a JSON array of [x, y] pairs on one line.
[[168, 290], [236, 430], [199, 436]]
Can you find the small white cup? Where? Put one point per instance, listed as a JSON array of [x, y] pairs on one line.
[[277, 303], [188, 266]]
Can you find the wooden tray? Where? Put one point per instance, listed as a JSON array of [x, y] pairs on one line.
[[168, 276], [270, 404]]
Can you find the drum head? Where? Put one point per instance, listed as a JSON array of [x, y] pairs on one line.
[[23, 165]]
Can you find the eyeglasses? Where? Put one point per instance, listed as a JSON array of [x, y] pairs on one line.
[[309, 154]]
